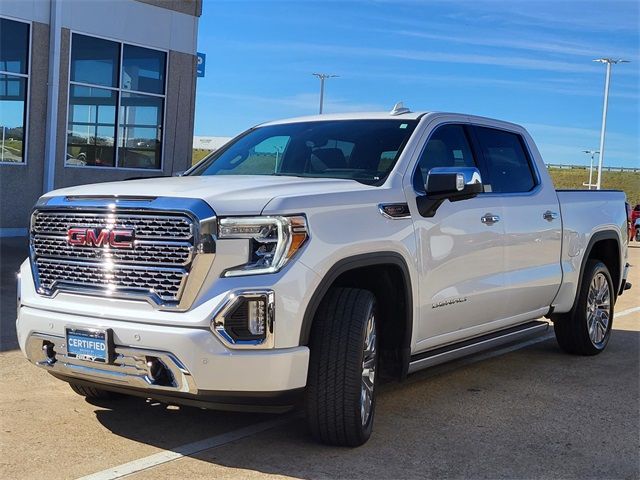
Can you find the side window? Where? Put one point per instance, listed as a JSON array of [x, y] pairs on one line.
[[447, 147], [506, 160]]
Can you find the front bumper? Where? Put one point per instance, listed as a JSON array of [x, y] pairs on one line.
[[201, 367]]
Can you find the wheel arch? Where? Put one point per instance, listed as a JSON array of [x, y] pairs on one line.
[[599, 247], [357, 271]]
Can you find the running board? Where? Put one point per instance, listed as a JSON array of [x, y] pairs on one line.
[[475, 345]]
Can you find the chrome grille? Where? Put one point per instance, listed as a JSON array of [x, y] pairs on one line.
[[145, 252], [146, 226], [157, 266], [165, 283]]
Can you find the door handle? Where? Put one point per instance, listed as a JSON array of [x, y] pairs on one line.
[[549, 216], [490, 219]]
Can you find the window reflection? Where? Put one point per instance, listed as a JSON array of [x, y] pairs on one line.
[[91, 134], [140, 131], [14, 46], [94, 61], [143, 69], [14, 71]]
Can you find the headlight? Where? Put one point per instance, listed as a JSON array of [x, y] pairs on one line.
[[273, 241]]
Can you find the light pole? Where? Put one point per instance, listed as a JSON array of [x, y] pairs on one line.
[[323, 77], [593, 153], [608, 62]]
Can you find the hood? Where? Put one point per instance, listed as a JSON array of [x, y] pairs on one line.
[[227, 194]]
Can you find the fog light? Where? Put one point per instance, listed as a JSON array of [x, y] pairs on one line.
[[246, 320], [257, 316]]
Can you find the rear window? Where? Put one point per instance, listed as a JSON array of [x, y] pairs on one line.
[[507, 162]]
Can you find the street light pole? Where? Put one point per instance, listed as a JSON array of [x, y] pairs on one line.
[[323, 77], [592, 153], [608, 62]]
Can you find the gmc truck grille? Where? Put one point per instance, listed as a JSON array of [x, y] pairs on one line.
[[156, 264]]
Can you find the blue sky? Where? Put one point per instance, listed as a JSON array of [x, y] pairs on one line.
[[524, 61]]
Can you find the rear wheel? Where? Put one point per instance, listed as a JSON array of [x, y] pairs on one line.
[[586, 329], [342, 368], [637, 234], [92, 393]]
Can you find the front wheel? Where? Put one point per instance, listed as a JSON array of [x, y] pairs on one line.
[[586, 329], [342, 378]]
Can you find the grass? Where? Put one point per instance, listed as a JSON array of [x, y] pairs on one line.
[[198, 154], [628, 182]]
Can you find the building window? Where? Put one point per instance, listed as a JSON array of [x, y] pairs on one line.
[[116, 104], [14, 79]]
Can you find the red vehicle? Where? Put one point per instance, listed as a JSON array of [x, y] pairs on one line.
[[635, 214], [634, 225]]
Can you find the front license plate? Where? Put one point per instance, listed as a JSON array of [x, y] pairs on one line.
[[91, 345]]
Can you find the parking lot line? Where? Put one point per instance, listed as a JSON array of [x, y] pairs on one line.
[[187, 449], [628, 311]]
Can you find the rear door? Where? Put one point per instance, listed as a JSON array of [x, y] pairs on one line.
[[531, 219]]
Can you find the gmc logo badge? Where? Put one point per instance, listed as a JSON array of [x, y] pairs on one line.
[[103, 237]]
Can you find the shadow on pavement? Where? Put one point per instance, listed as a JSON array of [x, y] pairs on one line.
[[13, 251], [532, 413]]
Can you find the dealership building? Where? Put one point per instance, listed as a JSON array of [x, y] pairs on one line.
[[92, 91]]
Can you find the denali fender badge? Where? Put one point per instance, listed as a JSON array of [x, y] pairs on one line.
[[451, 301], [93, 237], [394, 210]]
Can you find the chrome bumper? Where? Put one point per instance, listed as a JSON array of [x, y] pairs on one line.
[[131, 367]]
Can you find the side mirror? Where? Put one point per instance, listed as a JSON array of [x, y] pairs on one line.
[[448, 183]]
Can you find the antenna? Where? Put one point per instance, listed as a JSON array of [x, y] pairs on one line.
[[399, 109]]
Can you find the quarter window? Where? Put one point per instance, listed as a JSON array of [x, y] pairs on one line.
[[447, 147], [14, 79], [116, 104], [507, 163]]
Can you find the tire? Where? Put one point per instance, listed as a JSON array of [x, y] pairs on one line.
[[340, 403], [586, 329], [92, 393]]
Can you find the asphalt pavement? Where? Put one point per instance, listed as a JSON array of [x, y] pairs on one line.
[[529, 411]]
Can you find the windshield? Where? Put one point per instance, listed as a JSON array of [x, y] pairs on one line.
[[361, 150]]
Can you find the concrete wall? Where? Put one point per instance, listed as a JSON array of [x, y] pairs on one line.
[[21, 184], [190, 7]]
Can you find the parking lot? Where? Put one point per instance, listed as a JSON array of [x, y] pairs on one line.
[[528, 411]]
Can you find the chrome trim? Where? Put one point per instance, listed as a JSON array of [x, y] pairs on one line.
[[469, 349], [550, 216], [218, 318], [490, 219], [201, 241], [128, 369]]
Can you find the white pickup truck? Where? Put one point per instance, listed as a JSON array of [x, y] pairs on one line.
[[308, 255]]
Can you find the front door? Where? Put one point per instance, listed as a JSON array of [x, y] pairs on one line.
[[460, 250]]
